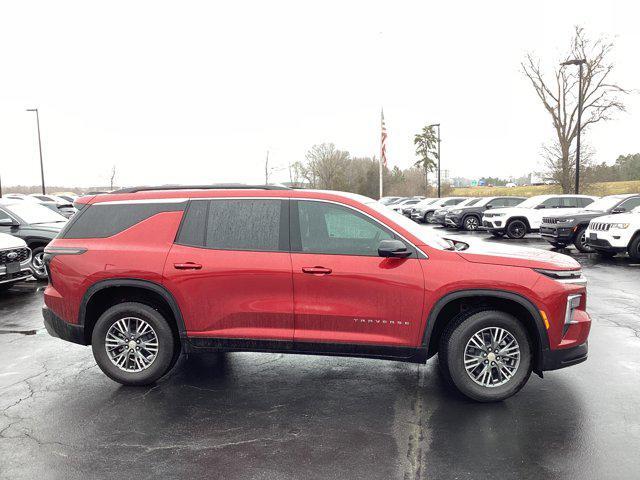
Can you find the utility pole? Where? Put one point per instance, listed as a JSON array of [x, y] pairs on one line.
[[580, 63], [39, 146]]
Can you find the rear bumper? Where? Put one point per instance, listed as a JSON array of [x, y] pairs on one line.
[[566, 357], [60, 329]]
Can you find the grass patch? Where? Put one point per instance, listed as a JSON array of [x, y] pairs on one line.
[[599, 189]]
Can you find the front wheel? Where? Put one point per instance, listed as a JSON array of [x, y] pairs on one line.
[[634, 248], [486, 355], [580, 241], [38, 269], [133, 344], [516, 229], [471, 223], [428, 217]]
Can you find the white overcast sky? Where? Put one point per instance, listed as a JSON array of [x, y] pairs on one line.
[[199, 91]]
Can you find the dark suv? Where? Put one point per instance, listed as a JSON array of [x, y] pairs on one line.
[[144, 274], [470, 217], [563, 230], [36, 224]]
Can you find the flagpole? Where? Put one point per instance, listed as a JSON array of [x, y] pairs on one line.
[[382, 147]]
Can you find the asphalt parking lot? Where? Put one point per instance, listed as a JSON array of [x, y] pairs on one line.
[[272, 416]]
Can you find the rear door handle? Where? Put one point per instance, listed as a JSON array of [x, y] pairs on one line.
[[317, 270], [187, 266]]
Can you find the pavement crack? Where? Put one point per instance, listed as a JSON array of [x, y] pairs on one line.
[[415, 453]]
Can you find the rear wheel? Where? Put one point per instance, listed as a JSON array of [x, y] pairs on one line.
[[580, 240], [634, 248], [486, 355], [471, 223], [133, 344], [516, 229]]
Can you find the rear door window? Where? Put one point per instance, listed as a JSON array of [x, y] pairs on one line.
[[553, 202], [630, 204], [236, 224]]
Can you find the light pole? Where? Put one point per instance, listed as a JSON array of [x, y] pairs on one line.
[[580, 63], [39, 146], [438, 125]]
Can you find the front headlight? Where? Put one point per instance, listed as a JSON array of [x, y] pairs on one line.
[[564, 276], [573, 302], [621, 226], [566, 220], [456, 212]]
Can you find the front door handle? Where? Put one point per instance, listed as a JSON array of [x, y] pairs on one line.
[[317, 270], [187, 266]]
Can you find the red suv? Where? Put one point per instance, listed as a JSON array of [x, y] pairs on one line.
[[144, 274]]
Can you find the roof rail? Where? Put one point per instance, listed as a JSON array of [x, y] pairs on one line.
[[217, 186]]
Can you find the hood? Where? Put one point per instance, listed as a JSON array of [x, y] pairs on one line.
[[498, 253], [578, 214], [618, 218], [9, 241], [53, 227]]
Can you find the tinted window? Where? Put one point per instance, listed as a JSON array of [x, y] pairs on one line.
[[515, 201], [554, 202], [570, 202], [333, 229], [101, 221], [630, 204], [236, 224], [583, 202], [497, 203], [453, 201]]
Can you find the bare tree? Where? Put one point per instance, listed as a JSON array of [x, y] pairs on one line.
[[601, 96], [112, 177], [325, 167]]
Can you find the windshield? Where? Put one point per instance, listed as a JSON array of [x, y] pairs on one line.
[[605, 203], [532, 202], [426, 235], [468, 202], [34, 213]]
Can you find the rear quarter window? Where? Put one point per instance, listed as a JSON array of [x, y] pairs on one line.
[[105, 220]]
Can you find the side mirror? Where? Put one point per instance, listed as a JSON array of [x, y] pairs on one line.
[[540, 207], [619, 210], [488, 207], [7, 222], [393, 248]]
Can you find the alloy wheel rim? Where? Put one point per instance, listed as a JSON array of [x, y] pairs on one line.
[[492, 357], [472, 223], [516, 230], [38, 263], [131, 344], [583, 242]]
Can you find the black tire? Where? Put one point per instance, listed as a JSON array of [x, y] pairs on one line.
[[5, 286], [557, 245], [452, 351], [516, 229], [605, 254], [428, 217], [580, 240], [165, 357], [37, 263], [497, 233], [634, 248], [471, 223]]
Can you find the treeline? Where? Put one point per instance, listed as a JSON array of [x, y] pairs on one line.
[[626, 167], [328, 168]]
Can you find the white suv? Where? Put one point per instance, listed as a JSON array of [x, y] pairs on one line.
[[617, 233], [526, 217], [15, 260]]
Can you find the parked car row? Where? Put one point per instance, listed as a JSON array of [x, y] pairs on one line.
[[27, 225], [589, 223]]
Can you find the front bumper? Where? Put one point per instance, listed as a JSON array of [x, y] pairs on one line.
[[565, 357], [611, 241], [417, 215], [493, 224], [452, 221], [557, 234], [58, 328]]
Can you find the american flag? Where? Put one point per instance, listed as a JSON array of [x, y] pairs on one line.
[[383, 145]]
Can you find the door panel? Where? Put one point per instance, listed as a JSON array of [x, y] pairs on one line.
[[235, 294], [363, 300], [343, 291]]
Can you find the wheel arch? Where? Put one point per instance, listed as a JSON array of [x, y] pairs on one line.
[[107, 293], [472, 214], [450, 305], [523, 219]]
